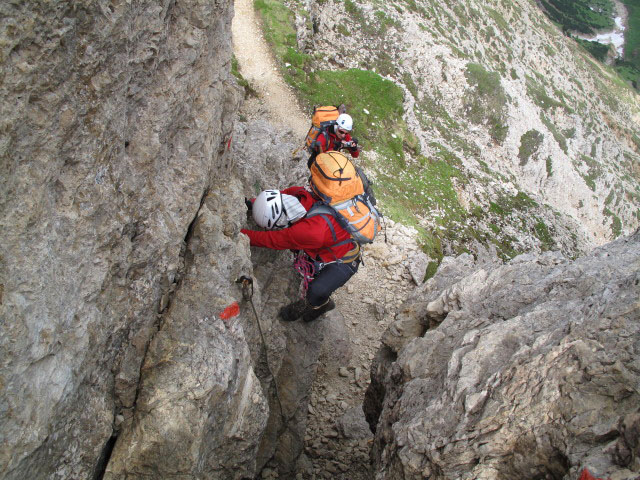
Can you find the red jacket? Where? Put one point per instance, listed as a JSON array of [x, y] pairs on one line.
[[304, 196], [312, 235], [334, 143]]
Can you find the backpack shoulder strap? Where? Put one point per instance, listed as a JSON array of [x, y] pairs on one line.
[[320, 208], [325, 211], [316, 143]]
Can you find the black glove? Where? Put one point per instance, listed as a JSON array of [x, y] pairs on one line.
[[248, 203]]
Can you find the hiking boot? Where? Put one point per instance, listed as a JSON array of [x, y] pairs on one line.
[[312, 313], [293, 311]]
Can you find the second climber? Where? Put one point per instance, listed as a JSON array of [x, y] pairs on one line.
[[336, 137]]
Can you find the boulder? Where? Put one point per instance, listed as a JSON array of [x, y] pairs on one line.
[[524, 370]]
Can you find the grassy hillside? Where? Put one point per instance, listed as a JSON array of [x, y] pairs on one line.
[[590, 16], [426, 182], [630, 67], [632, 34], [584, 16]]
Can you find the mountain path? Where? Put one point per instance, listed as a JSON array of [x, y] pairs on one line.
[[257, 66]]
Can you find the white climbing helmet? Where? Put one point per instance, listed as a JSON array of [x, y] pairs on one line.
[[345, 122], [273, 210], [267, 208]]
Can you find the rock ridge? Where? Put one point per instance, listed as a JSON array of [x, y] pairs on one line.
[[513, 371]]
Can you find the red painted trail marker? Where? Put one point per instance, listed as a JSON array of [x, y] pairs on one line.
[[231, 311]]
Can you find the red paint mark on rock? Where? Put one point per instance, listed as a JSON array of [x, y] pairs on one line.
[[231, 311], [586, 475]]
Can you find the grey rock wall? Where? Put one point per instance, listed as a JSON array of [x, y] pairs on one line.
[[115, 118], [523, 370], [200, 411]]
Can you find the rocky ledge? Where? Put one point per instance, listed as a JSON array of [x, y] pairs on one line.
[[524, 370]]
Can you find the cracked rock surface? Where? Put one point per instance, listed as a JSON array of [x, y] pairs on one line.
[[108, 148], [528, 369]]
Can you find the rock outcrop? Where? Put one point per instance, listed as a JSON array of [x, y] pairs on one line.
[[128, 349], [200, 409], [523, 370], [115, 122]]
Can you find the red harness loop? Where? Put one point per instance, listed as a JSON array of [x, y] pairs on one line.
[[307, 269]]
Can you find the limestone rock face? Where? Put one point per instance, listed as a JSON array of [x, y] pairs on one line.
[[115, 118], [532, 371], [200, 410]]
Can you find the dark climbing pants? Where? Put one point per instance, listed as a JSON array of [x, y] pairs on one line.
[[331, 277]]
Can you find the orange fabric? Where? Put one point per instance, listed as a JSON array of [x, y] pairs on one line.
[[359, 216], [322, 117], [343, 182], [324, 114]]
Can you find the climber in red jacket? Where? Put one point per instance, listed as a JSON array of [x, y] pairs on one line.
[[336, 137], [327, 245]]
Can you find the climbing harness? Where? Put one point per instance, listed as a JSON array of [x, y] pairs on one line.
[[247, 294], [305, 267]]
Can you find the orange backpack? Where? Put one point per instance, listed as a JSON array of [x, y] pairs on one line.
[[323, 117], [344, 190]]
